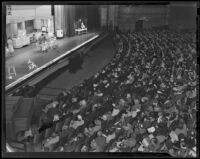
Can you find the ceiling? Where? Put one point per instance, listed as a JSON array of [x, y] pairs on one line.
[[20, 7]]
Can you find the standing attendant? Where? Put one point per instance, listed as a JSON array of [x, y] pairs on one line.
[[10, 46]]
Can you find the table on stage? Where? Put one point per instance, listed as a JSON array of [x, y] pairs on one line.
[[80, 31]]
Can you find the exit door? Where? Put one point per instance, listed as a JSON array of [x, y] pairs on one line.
[[139, 25]]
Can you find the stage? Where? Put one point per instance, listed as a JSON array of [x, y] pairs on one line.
[[42, 60]]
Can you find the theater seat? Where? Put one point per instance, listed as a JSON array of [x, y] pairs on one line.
[[38, 138], [38, 147], [48, 132], [53, 147], [58, 126], [20, 124], [29, 147]]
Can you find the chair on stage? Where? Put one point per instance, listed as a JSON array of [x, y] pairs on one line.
[[44, 46]]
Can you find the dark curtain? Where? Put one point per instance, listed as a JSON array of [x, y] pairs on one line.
[[69, 11], [80, 12], [29, 25], [88, 13], [93, 15]]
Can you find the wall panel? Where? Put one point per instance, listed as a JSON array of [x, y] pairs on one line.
[[128, 15], [182, 16]]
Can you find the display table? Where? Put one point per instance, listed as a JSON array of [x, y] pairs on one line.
[[80, 31], [21, 41]]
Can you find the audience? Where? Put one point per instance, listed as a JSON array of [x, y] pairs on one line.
[[144, 100]]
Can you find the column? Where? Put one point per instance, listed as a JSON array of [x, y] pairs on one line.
[[23, 25], [58, 17], [37, 24], [13, 29], [104, 13]]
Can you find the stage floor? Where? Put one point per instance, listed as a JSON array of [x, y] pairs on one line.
[[22, 55]]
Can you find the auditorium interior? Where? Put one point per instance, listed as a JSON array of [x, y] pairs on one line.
[[108, 78]]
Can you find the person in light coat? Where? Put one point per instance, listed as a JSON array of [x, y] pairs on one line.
[[10, 46]]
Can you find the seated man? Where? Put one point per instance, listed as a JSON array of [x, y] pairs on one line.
[[52, 140], [115, 111], [100, 142], [82, 25], [75, 124], [51, 105]]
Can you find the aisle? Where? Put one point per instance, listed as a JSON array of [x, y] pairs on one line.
[[100, 56]]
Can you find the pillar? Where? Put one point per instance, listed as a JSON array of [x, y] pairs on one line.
[[13, 29], [23, 25]]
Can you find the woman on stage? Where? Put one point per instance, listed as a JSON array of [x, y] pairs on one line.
[[10, 46], [43, 43]]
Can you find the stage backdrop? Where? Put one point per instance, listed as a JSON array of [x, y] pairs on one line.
[[64, 19], [66, 15], [93, 15], [90, 14]]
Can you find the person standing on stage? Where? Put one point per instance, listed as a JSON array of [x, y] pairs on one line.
[[79, 23], [43, 43], [10, 46]]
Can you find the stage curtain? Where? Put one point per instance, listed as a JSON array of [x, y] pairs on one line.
[[69, 18], [64, 19], [94, 18], [80, 12]]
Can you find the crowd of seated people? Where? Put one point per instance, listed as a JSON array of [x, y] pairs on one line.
[[144, 100]]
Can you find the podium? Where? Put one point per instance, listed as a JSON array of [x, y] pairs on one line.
[[59, 33]]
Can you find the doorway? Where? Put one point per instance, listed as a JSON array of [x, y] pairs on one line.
[[139, 25]]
